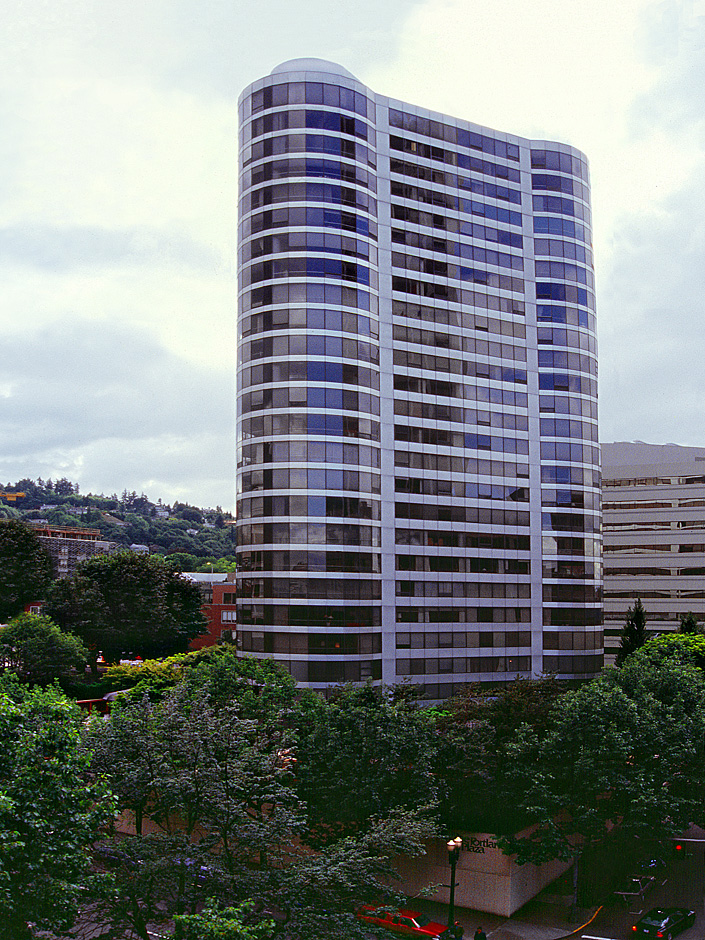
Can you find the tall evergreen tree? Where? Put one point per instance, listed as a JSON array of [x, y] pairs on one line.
[[634, 633], [688, 623]]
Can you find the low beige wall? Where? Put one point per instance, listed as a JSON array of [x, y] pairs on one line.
[[487, 880]]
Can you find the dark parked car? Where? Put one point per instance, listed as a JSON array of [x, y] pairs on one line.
[[664, 922]]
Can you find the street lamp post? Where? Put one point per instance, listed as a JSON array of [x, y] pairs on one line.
[[453, 856]]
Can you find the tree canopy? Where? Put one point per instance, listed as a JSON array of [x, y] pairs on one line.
[[689, 623], [202, 533], [51, 812], [386, 744], [217, 815], [262, 689], [475, 731], [670, 649], [25, 568], [37, 651], [128, 604], [231, 923], [623, 750], [289, 808]]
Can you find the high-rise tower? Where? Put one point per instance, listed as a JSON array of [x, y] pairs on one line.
[[418, 467]]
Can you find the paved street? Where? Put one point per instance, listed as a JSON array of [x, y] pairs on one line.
[[681, 885]]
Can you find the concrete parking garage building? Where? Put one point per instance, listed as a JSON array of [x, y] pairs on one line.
[[654, 535]]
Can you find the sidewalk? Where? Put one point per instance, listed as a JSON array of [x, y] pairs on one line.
[[541, 921], [545, 917]]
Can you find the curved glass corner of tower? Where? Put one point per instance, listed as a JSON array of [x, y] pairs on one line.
[[571, 520], [308, 379]]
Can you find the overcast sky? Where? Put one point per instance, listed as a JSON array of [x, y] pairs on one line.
[[118, 195]]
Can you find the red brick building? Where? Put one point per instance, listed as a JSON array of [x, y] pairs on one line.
[[218, 593]]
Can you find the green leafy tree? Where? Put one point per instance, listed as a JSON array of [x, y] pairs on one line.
[[634, 633], [624, 750], [153, 677], [261, 689], [62, 517], [230, 923], [215, 790], [212, 788], [223, 565], [128, 604], [474, 732], [78, 606], [321, 892], [25, 568], [675, 648], [139, 513], [153, 876], [36, 649], [190, 514], [386, 745], [183, 561], [689, 624], [64, 487], [51, 812]]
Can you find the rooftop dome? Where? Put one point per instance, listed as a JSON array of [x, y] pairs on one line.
[[312, 65]]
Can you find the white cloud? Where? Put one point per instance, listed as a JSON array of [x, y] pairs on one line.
[[623, 82], [118, 188], [118, 216], [112, 407], [553, 69]]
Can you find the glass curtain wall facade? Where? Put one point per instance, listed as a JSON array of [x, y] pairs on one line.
[[418, 467]]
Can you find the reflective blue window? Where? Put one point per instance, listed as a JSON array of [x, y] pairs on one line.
[[550, 291], [334, 398], [315, 294], [316, 505], [316, 397], [315, 319], [333, 319], [315, 345], [333, 346], [315, 372], [496, 213], [555, 160], [314, 93], [550, 225], [334, 372], [334, 425], [347, 99]]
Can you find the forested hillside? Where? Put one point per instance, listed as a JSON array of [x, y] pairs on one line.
[[196, 537]]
